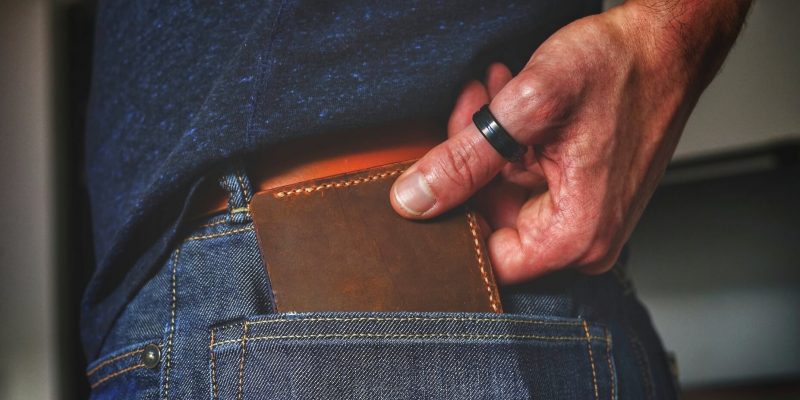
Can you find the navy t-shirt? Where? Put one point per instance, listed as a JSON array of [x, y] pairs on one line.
[[179, 87]]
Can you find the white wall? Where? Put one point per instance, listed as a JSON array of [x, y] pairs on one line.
[[26, 217]]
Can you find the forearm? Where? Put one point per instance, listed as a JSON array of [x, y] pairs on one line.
[[691, 37]]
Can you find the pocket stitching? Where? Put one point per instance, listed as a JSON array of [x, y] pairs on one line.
[[591, 359], [168, 355], [611, 372], [115, 374], [111, 360], [220, 234], [240, 387], [410, 336], [214, 389], [403, 319], [123, 356]]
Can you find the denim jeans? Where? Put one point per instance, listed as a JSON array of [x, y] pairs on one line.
[[203, 327]]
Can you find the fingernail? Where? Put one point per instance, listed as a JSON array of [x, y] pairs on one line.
[[413, 193]]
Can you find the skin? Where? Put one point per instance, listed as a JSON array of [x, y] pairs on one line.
[[601, 105]]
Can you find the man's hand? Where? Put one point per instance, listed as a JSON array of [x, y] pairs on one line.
[[601, 104]]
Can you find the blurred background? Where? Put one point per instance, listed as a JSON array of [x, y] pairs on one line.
[[716, 256]]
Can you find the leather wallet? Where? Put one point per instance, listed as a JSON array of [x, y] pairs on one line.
[[335, 244]]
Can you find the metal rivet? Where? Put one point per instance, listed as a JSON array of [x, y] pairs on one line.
[[151, 355]]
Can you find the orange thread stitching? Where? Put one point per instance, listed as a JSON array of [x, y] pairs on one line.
[[245, 191], [214, 235], [473, 228], [410, 336], [214, 389], [119, 357], [591, 359], [402, 319], [115, 374], [610, 367], [168, 356], [213, 224], [335, 185], [240, 391]]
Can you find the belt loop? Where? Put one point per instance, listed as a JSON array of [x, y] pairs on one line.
[[240, 192]]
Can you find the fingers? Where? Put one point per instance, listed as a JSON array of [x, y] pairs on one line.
[[497, 76], [453, 171], [446, 176], [555, 230], [473, 96]]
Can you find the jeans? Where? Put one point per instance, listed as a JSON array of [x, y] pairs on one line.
[[203, 327]]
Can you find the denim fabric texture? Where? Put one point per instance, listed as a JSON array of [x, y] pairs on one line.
[[179, 88], [208, 312]]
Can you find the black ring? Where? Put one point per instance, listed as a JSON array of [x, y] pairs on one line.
[[497, 136]]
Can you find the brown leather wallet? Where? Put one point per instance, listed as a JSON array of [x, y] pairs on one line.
[[335, 244]]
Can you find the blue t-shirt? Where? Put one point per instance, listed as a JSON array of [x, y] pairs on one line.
[[181, 87]]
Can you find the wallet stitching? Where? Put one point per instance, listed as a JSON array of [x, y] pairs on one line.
[[481, 263], [375, 177], [591, 359], [335, 185], [412, 336]]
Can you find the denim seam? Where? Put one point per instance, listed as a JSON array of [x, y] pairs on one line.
[[589, 339], [213, 224], [115, 374], [214, 390], [611, 372], [335, 185], [481, 265], [402, 319], [240, 386], [643, 361], [591, 359], [245, 190], [220, 234], [168, 355], [111, 360]]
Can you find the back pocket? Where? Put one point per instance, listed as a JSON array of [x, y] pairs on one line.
[[410, 356]]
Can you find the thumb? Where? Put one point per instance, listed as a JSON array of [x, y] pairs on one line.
[[446, 176], [454, 170]]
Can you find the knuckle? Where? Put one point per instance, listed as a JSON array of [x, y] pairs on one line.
[[599, 257], [455, 165], [539, 99]]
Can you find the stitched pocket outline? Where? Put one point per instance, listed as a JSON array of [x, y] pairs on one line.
[[410, 355]]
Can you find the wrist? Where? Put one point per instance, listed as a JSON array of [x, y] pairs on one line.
[[684, 41]]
